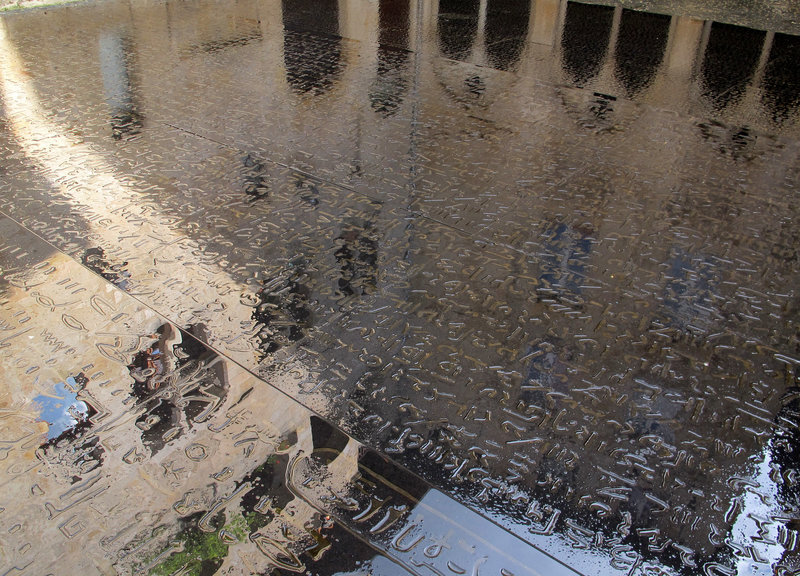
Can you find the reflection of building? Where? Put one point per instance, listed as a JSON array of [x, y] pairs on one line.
[[486, 274]]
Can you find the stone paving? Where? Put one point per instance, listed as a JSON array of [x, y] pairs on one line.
[[348, 287]]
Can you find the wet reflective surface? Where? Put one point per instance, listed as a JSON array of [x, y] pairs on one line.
[[397, 287]]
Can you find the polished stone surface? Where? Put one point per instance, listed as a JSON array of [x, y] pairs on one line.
[[337, 286]]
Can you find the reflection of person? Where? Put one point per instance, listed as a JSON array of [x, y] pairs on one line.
[[176, 382], [146, 368]]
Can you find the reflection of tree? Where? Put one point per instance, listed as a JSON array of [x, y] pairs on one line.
[[357, 255], [786, 466], [690, 293], [282, 310], [562, 266], [254, 176], [75, 448], [175, 386], [738, 142]]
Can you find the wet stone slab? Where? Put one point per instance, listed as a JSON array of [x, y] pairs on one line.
[[157, 455], [487, 288]]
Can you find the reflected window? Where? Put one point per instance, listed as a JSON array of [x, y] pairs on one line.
[[506, 31], [313, 61], [584, 41], [640, 49], [729, 62], [457, 27], [781, 83]]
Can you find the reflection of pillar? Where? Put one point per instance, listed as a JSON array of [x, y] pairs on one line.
[[544, 21], [117, 85], [478, 51], [752, 99], [359, 21], [430, 10], [271, 21], [115, 72], [344, 467], [543, 31], [673, 84], [682, 46], [615, 23], [605, 80]]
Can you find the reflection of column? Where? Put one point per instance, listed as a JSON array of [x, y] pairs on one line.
[[271, 19], [544, 21], [672, 84], [478, 51], [605, 79], [430, 11], [117, 85], [615, 23], [359, 21], [682, 45], [538, 63], [751, 99]]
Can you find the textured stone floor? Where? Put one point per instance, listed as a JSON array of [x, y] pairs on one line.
[[383, 287]]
